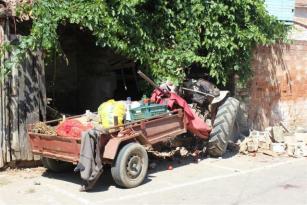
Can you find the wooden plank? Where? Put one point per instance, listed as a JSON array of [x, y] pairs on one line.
[[5, 154], [22, 101], [27, 104], [3, 123], [1, 128], [24, 95], [33, 115], [32, 100], [1, 103], [6, 124], [14, 134], [2, 107], [40, 68]]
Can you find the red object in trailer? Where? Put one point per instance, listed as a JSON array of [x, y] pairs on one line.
[[194, 123]]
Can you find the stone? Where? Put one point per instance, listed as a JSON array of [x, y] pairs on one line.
[[291, 147], [259, 140], [264, 140], [297, 149], [300, 151], [278, 134], [243, 145], [252, 145], [278, 147]]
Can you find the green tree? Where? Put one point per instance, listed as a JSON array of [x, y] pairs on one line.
[[164, 35]]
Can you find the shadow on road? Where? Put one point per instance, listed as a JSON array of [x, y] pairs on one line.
[[106, 180], [103, 184]]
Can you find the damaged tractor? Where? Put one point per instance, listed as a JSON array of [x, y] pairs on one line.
[[216, 108]]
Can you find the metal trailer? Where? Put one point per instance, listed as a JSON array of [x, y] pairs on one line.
[[123, 147]]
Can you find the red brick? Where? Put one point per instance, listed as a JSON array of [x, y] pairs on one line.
[[281, 78]]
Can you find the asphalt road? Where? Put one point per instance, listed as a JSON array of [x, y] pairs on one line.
[[235, 180]]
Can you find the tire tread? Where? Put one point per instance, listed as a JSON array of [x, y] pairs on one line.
[[223, 127]]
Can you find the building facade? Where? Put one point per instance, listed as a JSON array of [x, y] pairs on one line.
[[278, 88]]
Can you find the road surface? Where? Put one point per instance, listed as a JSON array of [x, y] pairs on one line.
[[235, 180]]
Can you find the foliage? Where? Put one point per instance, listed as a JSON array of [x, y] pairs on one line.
[[165, 36]]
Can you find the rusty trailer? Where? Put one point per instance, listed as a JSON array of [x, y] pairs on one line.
[[115, 143]]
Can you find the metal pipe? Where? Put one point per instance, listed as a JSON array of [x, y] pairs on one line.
[[150, 81], [198, 92]]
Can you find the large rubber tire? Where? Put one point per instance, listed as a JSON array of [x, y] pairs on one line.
[[241, 128], [56, 165], [223, 127], [131, 165]]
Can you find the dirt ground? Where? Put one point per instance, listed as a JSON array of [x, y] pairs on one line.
[[235, 179]]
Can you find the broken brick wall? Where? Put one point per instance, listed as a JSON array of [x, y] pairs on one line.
[[278, 88]]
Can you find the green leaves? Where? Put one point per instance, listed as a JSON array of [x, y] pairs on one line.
[[166, 36]]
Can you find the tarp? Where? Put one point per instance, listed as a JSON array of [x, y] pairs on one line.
[[194, 123]]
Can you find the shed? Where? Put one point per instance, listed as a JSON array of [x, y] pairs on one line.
[[87, 76]]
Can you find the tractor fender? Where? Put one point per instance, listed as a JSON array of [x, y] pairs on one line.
[[221, 97]]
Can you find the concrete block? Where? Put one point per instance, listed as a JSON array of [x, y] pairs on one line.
[[291, 146], [278, 147], [300, 151], [278, 134], [243, 145], [297, 149], [264, 140]]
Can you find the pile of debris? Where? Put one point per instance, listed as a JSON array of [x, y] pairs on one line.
[[42, 128], [275, 141]]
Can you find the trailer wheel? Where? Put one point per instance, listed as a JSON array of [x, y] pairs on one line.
[[130, 167], [56, 165], [223, 127]]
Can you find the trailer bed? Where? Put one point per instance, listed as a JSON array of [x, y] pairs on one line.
[[148, 132]]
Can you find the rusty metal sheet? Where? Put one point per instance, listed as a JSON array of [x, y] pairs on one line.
[[66, 149], [110, 150]]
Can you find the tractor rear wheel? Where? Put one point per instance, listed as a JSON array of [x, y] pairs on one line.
[[223, 127]]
